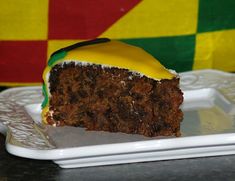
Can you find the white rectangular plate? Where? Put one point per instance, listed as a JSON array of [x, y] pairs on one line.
[[208, 128]]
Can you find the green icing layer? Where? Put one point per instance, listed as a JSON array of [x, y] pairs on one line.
[[62, 52], [45, 101], [53, 59]]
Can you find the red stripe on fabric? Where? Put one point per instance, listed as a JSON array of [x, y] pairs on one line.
[[82, 19], [22, 61]]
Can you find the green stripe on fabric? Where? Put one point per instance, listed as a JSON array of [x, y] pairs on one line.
[[173, 52], [216, 15]]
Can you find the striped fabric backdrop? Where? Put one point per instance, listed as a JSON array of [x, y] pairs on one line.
[[184, 35]]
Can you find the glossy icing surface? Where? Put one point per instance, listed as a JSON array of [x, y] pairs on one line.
[[116, 54]]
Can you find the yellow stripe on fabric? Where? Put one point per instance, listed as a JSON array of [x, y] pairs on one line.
[[215, 50], [156, 19], [203, 52], [24, 20]]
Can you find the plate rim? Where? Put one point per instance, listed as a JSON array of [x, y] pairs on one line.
[[67, 153], [88, 151]]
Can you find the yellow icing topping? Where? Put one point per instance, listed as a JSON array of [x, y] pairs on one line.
[[113, 54], [121, 55]]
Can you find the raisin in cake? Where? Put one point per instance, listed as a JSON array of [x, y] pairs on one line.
[[107, 85]]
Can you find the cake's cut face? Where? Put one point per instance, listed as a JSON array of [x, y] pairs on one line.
[[111, 86]]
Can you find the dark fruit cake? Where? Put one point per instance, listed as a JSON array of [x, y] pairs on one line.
[[107, 85]]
